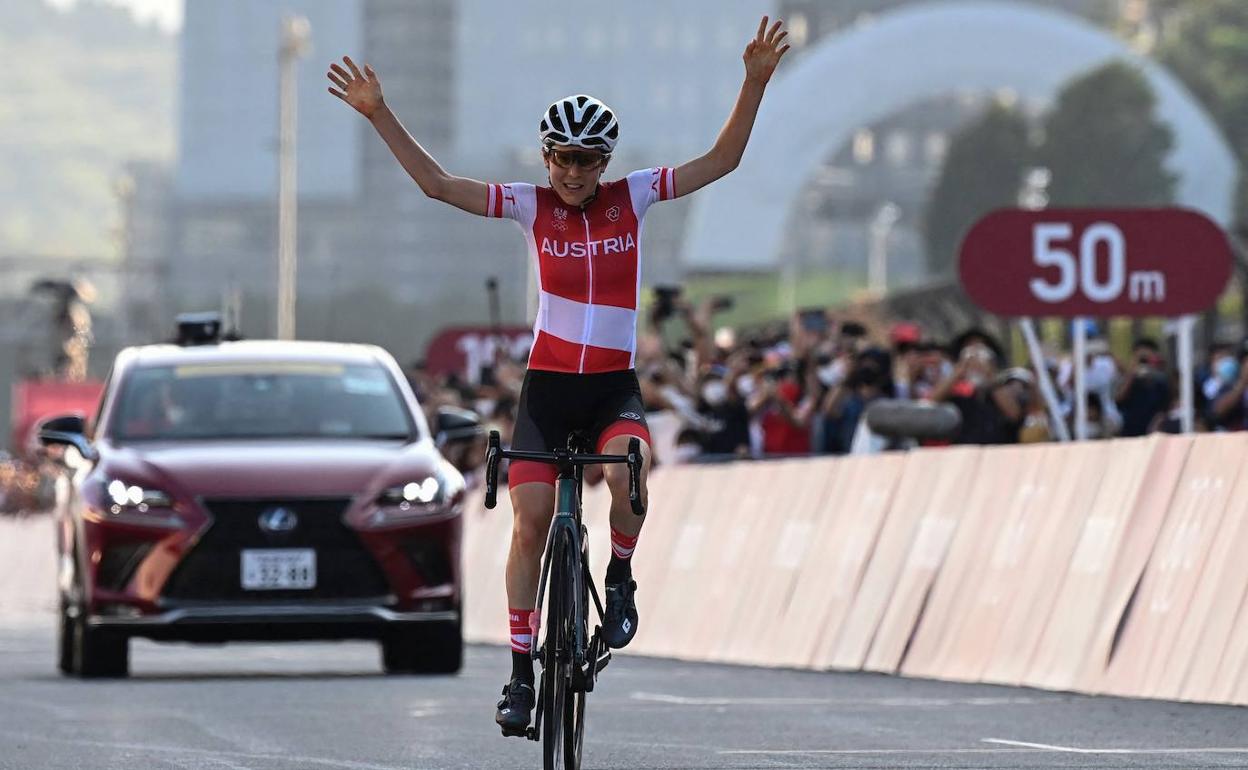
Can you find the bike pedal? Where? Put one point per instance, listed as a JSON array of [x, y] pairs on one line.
[[531, 734], [603, 660]]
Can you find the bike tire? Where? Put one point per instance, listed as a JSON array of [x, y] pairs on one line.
[[574, 710], [556, 664]]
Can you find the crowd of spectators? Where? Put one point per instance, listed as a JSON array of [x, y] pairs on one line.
[[805, 388]]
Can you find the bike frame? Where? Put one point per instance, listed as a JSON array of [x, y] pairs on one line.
[[566, 527]]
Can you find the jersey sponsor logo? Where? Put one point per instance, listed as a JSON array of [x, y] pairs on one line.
[[613, 213], [620, 244], [630, 415]]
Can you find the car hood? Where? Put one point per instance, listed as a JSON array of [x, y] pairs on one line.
[[270, 468]]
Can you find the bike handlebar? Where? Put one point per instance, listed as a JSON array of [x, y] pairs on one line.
[[633, 459]]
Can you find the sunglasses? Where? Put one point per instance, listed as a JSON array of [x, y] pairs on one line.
[[569, 158]]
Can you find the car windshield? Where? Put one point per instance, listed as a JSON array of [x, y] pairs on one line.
[[257, 400]]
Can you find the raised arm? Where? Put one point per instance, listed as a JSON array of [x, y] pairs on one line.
[[362, 90], [761, 57]]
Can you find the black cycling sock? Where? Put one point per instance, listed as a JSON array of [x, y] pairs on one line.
[[522, 666], [619, 570]]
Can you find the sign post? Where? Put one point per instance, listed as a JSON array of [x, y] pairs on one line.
[[1098, 263]]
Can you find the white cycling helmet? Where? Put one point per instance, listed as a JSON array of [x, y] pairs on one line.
[[581, 121]]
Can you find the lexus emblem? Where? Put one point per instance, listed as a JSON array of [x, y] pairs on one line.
[[278, 520]]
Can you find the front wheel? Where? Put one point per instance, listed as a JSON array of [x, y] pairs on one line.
[[563, 709], [97, 652], [423, 648]]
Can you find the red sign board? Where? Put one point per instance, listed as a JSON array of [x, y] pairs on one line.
[[34, 401], [464, 350], [1095, 262]]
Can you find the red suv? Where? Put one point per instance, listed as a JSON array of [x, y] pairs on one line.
[[258, 491]]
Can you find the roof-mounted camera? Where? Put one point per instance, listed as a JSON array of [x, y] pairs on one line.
[[198, 328]]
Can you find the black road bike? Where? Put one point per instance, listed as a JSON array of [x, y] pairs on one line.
[[569, 655]]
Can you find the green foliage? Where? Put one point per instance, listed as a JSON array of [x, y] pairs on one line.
[[983, 170], [1103, 143], [1206, 45], [87, 90]]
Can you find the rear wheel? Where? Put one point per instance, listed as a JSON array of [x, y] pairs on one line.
[[423, 648]]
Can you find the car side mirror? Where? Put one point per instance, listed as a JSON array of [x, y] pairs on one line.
[[68, 430], [457, 426]]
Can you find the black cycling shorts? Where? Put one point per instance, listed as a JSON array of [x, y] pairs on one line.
[[553, 404]]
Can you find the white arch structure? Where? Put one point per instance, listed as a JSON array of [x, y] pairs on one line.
[[868, 74]]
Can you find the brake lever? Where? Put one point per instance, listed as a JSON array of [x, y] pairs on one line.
[[634, 476], [491, 470]]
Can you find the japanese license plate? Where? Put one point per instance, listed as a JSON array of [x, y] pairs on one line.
[[268, 569]]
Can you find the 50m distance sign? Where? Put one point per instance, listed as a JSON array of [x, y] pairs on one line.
[[1095, 262]]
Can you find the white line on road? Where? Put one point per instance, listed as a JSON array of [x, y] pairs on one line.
[[684, 700], [207, 753], [1076, 750], [1015, 747]]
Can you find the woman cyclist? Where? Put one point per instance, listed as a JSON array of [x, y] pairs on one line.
[[584, 236]]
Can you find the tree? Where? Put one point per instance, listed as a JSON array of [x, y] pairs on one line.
[[982, 172], [1103, 143], [1205, 44]]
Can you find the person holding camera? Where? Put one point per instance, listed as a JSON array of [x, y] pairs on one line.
[[1144, 390], [990, 408], [583, 235]]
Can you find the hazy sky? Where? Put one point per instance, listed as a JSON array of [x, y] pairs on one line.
[[166, 13]]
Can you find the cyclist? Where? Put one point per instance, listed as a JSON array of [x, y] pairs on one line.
[[585, 237]]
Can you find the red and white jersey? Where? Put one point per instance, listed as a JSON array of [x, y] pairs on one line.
[[588, 264]]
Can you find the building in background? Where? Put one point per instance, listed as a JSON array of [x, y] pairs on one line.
[[380, 262], [469, 78]]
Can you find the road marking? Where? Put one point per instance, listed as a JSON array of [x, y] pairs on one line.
[[894, 702], [1077, 750], [208, 753], [785, 752]]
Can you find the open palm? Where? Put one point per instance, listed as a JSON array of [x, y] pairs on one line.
[[361, 90], [764, 51]]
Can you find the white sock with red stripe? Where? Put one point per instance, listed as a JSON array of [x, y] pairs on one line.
[[622, 545], [621, 566], [521, 634]]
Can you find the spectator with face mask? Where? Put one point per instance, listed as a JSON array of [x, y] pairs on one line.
[[726, 418], [842, 408], [1228, 408]]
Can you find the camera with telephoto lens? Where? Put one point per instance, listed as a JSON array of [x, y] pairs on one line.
[[665, 302]]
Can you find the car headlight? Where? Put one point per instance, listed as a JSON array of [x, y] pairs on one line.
[[132, 497], [433, 495]]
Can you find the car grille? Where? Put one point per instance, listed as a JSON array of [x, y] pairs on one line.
[[213, 568]]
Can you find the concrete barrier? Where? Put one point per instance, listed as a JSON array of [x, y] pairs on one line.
[[989, 500], [850, 515], [27, 568], [1152, 652], [895, 549], [1061, 499], [1107, 567], [1098, 584]]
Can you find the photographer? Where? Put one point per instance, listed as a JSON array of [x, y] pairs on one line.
[[991, 411], [843, 406], [1144, 391], [782, 412]]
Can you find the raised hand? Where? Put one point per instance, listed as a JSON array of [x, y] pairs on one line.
[[361, 90], [764, 51]]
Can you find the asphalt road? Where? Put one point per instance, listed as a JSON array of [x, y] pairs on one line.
[[309, 707]]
